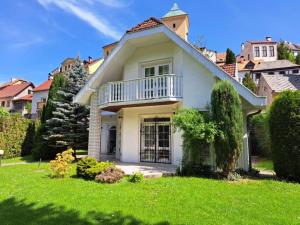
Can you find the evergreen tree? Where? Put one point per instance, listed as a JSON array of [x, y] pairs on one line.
[[68, 126], [297, 60], [41, 149], [227, 113], [249, 83], [230, 57], [284, 53]]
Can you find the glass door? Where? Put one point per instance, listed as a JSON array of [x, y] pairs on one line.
[[156, 140]]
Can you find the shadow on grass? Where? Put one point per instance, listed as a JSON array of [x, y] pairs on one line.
[[15, 212]]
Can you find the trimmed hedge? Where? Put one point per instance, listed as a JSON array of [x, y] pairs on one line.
[[16, 135], [260, 135], [284, 125]]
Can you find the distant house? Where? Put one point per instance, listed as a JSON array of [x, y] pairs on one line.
[[261, 50], [39, 98], [257, 68], [271, 85], [14, 95], [221, 58], [295, 48]]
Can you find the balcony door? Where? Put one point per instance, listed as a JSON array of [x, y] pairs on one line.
[[155, 140], [156, 87]]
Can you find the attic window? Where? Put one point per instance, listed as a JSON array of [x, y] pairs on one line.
[[174, 25]]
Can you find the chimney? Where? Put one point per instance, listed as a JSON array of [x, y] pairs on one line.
[[268, 38], [90, 59], [242, 47]]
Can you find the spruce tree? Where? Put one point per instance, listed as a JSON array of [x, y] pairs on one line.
[[68, 127], [230, 57], [249, 83], [227, 113]]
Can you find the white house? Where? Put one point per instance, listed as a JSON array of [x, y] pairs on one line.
[[40, 97], [152, 72]]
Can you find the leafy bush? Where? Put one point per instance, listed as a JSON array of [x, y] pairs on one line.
[[284, 125], [60, 167], [227, 113], [136, 177], [13, 131], [198, 132], [83, 165], [92, 172], [3, 112], [260, 135], [110, 175]]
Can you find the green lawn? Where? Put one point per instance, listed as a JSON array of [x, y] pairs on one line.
[[21, 159], [29, 196], [264, 164]]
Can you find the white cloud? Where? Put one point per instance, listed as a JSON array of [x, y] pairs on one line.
[[27, 43], [84, 14]]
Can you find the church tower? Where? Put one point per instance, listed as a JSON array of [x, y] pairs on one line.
[[178, 21]]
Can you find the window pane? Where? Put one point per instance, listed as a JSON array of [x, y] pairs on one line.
[[163, 70], [150, 71]]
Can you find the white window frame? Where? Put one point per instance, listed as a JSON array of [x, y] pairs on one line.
[[155, 64]]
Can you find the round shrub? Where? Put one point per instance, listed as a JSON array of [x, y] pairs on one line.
[[92, 172], [110, 175], [136, 177], [83, 165], [284, 123]]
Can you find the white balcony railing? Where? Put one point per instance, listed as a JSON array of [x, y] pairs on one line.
[[150, 88]]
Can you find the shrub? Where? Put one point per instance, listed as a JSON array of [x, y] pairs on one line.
[[3, 112], [28, 142], [83, 165], [136, 177], [198, 132], [284, 125], [227, 113], [110, 175], [260, 134], [92, 172], [60, 167], [13, 130]]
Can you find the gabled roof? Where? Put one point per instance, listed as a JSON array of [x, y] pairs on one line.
[[24, 98], [279, 83], [14, 90], [84, 94], [175, 11], [277, 64], [45, 86], [230, 69], [147, 24]]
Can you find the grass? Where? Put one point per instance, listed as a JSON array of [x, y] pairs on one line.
[[264, 164], [29, 196]]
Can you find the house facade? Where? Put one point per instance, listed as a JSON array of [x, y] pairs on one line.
[[14, 95], [150, 74], [39, 98], [262, 50]]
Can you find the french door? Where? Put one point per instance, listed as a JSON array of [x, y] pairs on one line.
[[156, 140]]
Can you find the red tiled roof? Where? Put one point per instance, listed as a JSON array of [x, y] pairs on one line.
[[25, 98], [13, 90], [44, 86], [229, 68], [147, 24]]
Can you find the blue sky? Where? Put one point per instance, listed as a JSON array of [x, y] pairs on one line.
[[36, 35]]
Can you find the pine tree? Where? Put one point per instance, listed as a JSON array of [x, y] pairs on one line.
[[227, 113], [230, 57], [68, 127], [249, 83]]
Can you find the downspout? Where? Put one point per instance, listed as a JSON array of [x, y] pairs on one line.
[[249, 139]]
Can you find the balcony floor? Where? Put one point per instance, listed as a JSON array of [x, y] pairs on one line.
[[116, 107]]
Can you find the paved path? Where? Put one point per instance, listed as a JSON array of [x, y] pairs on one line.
[[149, 170]]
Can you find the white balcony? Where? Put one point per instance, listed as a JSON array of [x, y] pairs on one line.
[[155, 89]]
